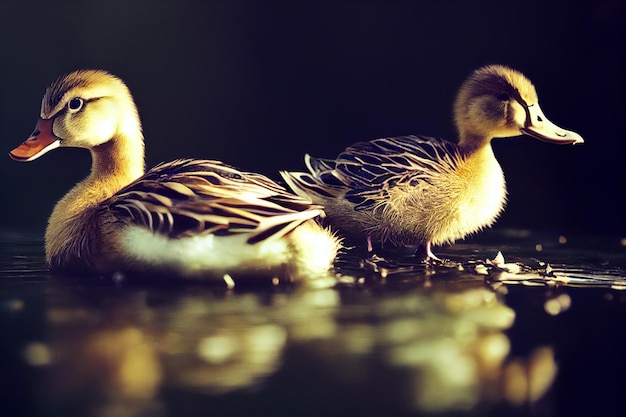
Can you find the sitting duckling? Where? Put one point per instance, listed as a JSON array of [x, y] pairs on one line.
[[417, 191], [189, 218]]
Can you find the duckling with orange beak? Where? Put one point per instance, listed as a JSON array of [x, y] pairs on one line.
[[186, 219]]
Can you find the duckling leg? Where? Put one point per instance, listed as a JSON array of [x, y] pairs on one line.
[[370, 248], [429, 252]]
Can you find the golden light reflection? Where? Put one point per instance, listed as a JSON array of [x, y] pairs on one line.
[[37, 354], [456, 351], [358, 339], [445, 339], [526, 381], [101, 370], [126, 361], [231, 358], [217, 349], [491, 352], [445, 377], [558, 304], [542, 370]]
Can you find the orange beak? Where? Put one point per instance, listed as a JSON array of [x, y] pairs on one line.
[[40, 141]]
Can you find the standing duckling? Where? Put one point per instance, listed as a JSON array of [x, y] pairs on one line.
[[421, 191], [196, 219]]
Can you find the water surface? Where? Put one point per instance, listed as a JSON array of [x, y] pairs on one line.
[[538, 331]]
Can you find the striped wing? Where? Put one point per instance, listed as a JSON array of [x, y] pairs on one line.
[[188, 197], [366, 170]]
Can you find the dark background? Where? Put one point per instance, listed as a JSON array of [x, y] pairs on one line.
[[258, 84]]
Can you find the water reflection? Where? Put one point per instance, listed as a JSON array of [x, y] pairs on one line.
[[418, 339], [121, 347]]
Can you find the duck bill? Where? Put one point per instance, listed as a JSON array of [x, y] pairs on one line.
[[40, 141], [538, 126]]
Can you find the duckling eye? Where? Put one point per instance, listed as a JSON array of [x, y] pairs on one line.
[[75, 104], [503, 97]]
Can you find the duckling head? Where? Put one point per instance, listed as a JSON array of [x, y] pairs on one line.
[[83, 109], [497, 102]]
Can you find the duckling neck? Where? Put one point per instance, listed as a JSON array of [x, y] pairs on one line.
[[115, 164], [472, 143]]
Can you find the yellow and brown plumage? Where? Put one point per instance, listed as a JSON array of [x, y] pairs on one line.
[[187, 218], [417, 190]]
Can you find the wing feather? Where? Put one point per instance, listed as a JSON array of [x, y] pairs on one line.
[[186, 197], [364, 172]]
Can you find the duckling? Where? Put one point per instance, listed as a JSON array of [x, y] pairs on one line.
[[417, 191], [186, 219]]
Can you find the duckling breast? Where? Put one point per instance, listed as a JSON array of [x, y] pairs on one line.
[[450, 206]]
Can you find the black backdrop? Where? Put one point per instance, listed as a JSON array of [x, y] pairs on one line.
[[257, 84]]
